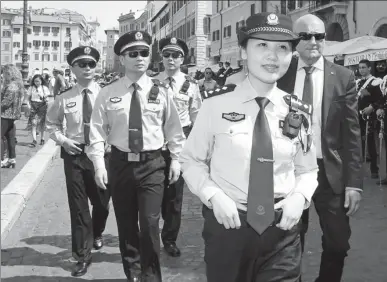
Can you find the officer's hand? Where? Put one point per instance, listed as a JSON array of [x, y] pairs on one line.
[[380, 113], [367, 111], [174, 171], [292, 208], [101, 178], [71, 147], [352, 201], [225, 210]]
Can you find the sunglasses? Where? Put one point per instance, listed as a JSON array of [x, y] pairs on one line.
[[208, 73], [308, 36], [135, 54], [91, 64], [174, 55]]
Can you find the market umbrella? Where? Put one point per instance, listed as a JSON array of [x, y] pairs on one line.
[[375, 52]]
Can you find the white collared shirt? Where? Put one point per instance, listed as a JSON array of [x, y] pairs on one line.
[[216, 156], [110, 119], [187, 104], [69, 106], [318, 87]]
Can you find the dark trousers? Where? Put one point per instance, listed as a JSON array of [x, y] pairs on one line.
[[242, 255], [371, 145], [137, 192], [81, 187], [334, 225], [172, 201], [8, 137]]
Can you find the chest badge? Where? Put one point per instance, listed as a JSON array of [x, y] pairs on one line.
[[115, 99], [71, 104], [154, 101], [234, 117]]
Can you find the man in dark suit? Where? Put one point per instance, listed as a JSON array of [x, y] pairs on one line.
[[336, 135]]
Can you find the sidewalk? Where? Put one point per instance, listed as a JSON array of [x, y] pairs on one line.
[[23, 152], [38, 247]]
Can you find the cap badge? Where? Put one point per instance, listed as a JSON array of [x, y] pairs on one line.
[[173, 40], [138, 36], [272, 19], [87, 50]]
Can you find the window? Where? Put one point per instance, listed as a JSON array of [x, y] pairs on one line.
[[192, 52], [7, 33], [65, 57], [6, 22], [227, 31], [188, 28], [36, 43], [46, 30], [29, 31], [283, 6], [228, 3], [206, 25], [55, 57], [67, 44], [213, 36], [252, 8], [219, 5], [45, 57], [239, 25], [16, 44], [264, 6], [55, 31], [36, 29], [6, 46], [193, 26], [16, 30], [55, 44], [46, 43], [218, 34], [36, 56], [16, 57], [29, 44]]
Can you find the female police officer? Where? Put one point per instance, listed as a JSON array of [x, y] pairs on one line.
[[245, 168]]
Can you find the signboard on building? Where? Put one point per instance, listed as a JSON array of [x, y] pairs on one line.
[[372, 55]]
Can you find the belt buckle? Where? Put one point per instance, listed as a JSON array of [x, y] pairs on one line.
[[133, 157]]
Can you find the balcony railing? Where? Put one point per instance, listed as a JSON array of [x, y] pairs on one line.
[[325, 3]]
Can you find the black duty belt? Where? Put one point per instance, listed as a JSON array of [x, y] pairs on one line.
[[132, 157]]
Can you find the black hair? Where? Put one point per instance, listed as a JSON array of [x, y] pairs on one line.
[[366, 62], [227, 63], [41, 79]]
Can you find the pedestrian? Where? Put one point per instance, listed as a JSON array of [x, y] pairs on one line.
[[223, 76], [12, 93], [253, 177], [187, 99], [336, 134], [75, 106], [60, 84], [208, 83], [135, 114], [36, 99]]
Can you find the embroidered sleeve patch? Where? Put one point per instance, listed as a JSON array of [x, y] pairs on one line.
[[71, 104], [115, 99], [234, 117]]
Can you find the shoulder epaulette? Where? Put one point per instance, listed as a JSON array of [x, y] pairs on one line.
[[60, 93], [376, 81], [218, 91], [190, 79], [110, 82], [160, 83]]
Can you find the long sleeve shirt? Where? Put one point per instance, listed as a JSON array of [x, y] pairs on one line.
[[11, 100], [216, 156], [69, 106], [110, 119]]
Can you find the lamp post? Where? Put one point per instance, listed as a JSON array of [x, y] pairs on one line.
[[70, 22], [25, 64]]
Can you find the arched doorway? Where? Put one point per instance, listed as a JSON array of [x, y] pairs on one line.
[[382, 31], [335, 32]]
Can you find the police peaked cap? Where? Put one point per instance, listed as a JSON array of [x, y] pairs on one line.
[[82, 52], [132, 39], [268, 26], [173, 44]]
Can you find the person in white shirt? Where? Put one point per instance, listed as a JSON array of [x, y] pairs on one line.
[[253, 177], [36, 99]]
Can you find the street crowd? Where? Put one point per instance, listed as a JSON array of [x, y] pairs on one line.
[[256, 144]]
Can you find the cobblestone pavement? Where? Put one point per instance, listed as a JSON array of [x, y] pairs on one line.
[[38, 246]]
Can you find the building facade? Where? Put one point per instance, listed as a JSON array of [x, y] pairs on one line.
[[112, 60], [151, 8], [190, 21], [7, 36], [51, 36]]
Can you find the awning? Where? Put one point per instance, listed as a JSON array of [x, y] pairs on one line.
[[352, 46]]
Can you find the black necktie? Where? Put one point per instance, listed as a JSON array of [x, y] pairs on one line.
[[87, 108], [135, 122], [171, 80], [307, 95], [260, 201]]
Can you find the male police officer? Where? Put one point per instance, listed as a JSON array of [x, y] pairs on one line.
[[370, 96], [187, 100], [75, 107], [245, 168], [135, 114]]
